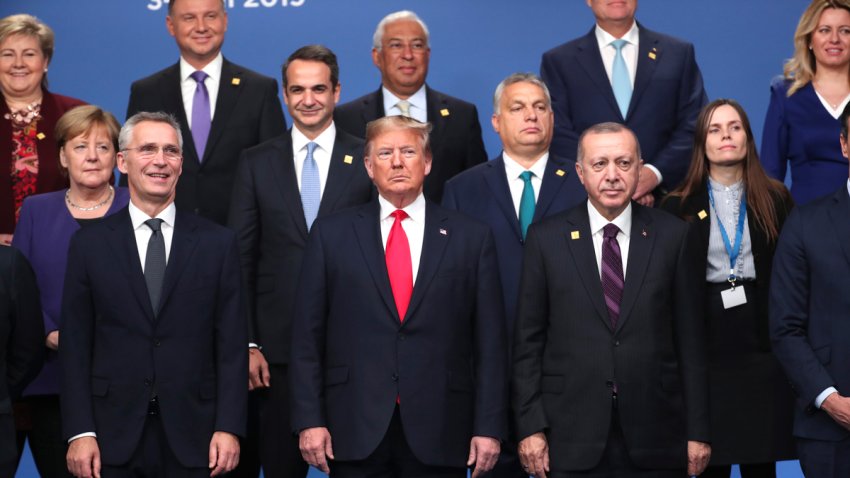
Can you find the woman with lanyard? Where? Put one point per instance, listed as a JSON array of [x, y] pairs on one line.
[[737, 211]]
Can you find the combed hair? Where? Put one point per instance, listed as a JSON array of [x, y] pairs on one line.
[[378, 37], [380, 126], [172, 2], [83, 120], [313, 53], [800, 68], [605, 128], [28, 25], [125, 137], [519, 78]]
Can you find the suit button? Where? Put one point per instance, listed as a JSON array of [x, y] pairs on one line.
[[157, 343], [609, 383], [401, 336], [148, 382], [616, 343], [395, 377]]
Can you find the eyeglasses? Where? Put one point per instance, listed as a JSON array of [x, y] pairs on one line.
[[150, 150]]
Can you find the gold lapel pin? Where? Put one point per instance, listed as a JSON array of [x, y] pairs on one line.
[[235, 81], [574, 235], [40, 136], [348, 159], [651, 55], [444, 112], [560, 172], [643, 233], [702, 214]]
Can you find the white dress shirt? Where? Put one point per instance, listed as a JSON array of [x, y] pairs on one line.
[[515, 183], [418, 104], [598, 222], [322, 154], [413, 225], [188, 84]]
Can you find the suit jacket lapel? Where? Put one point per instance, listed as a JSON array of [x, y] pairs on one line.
[[124, 246], [286, 181], [839, 213], [590, 60], [183, 244], [640, 249], [373, 107], [584, 257], [228, 94], [435, 104], [339, 173], [648, 45], [434, 241], [497, 181], [367, 228], [553, 179], [170, 86]]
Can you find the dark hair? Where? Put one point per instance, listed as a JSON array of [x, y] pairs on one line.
[[845, 115], [760, 188], [313, 53]]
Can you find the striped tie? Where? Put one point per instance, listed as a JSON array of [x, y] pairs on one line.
[[612, 272]]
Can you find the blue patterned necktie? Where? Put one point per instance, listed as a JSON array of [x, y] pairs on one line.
[[526, 203], [620, 81], [311, 194]]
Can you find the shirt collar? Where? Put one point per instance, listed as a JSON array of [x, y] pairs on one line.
[[604, 38], [325, 140], [597, 221], [415, 210], [418, 99], [138, 218], [514, 169], [212, 69]]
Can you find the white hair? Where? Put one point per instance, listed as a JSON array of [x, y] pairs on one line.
[[378, 37]]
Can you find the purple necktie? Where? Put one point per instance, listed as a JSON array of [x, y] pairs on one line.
[[200, 114], [612, 272]]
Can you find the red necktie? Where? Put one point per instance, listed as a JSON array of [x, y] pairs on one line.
[[399, 266]]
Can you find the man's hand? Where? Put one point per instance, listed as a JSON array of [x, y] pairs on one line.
[[5, 239], [83, 458], [258, 370], [483, 452], [316, 449], [647, 182], [838, 408], [534, 455], [52, 340], [698, 456], [224, 453]]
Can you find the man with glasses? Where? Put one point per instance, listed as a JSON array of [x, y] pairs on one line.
[[153, 335]]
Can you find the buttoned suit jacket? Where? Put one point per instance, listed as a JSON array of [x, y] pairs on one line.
[[353, 358], [482, 193], [667, 97], [808, 308], [456, 143], [117, 352], [247, 112], [567, 358], [267, 214]]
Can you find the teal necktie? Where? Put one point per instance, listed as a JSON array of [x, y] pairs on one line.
[[620, 81], [526, 203]]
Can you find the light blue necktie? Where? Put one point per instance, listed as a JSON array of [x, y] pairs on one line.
[[311, 195], [526, 203], [620, 81]]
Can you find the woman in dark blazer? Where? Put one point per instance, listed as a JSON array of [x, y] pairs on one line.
[[87, 141], [750, 399]]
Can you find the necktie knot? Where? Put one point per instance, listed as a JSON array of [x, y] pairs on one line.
[[155, 224], [311, 148], [199, 76], [610, 231], [404, 107], [399, 215], [526, 176], [619, 44]]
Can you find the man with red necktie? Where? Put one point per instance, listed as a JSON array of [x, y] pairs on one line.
[[398, 365]]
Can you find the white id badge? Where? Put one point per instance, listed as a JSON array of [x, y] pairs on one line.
[[733, 297]]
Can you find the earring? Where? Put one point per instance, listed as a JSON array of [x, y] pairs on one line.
[[45, 70]]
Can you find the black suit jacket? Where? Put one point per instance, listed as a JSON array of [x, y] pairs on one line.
[[667, 98], [456, 141], [268, 217], [482, 192], [22, 347], [116, 352], [446, 362], [247, 113], [567, 358]]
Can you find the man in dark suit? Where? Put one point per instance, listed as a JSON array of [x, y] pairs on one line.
[[153, 332], [401, 50], [609, 371], [272, 220], [809, 326], [522, 185], [625, 73], [21, 344], [222, 107], [399, 364]]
